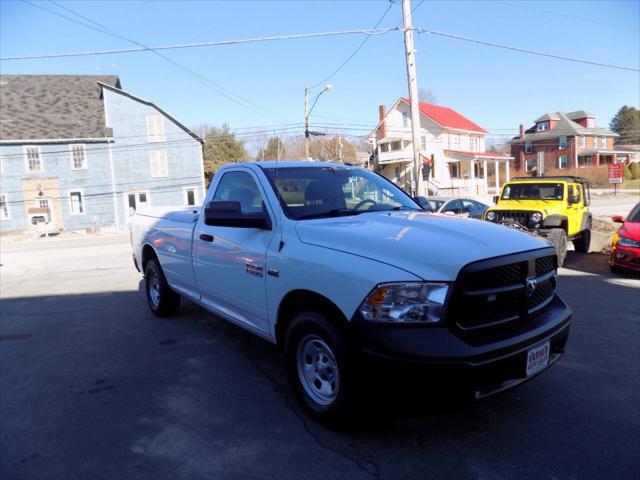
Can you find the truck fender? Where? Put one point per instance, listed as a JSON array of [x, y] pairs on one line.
[[586, 221], [555, 221]]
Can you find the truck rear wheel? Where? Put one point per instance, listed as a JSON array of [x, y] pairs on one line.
[[581, 244], [319, 366], [558, 237], [162, 301]]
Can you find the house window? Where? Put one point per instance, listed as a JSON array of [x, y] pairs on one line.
[[4, 207], [75, 203], [563, 143], [563, 161], [384, 147], [543, 126], [528, 147], [190, 196], [454, 169], [475, 144], [155, 128], [529, 164], [158, 160], [405, 119], [78, 157], [32, 157], [585, 160], [591, 123], [603, 142], [583, 142], [395, 146], [594, 142], [423, 142]]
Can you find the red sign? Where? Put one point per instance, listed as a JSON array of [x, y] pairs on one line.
[[615, 173]]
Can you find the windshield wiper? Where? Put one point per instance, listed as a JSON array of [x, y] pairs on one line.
[[336, 212]]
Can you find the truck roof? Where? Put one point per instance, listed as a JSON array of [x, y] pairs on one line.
[[291, 164], [562, 178]]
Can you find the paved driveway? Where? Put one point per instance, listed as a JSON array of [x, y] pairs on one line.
[[94, 387]]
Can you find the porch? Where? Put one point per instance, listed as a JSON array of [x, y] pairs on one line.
[[597, 157], [474, 174]]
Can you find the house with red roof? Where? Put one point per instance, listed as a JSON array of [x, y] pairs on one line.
[[452, 151]]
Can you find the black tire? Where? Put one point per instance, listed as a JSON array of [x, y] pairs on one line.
[[581, 244], [617, 270], [162, 301], [332, 406], [558, 237]]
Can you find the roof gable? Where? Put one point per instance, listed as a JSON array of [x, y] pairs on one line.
[[447, 117], [151, 104], [38, 107]]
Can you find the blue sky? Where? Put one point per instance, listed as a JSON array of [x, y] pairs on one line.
[[497, 89]]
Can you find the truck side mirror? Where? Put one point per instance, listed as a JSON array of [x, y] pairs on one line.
[[230, 214], [617, 219], [495, 199]]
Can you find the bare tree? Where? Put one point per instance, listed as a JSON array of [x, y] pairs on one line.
[[427, 96]]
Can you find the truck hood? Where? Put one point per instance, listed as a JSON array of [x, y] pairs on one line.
[[430, 246], [548, 207]]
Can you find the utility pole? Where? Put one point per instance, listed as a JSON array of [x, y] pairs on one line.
[[412, 79], [306, 122]]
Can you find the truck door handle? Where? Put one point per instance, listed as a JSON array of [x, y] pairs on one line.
[[206, 238]]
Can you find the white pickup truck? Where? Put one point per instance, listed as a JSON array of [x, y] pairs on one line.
[[339, 266]]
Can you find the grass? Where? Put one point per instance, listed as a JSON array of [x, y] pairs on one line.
[[635, 183]]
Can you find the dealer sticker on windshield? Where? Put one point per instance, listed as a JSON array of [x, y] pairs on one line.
[[537, 358]]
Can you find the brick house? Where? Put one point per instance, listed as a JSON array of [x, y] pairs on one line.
[[80, 152], [565, 141]]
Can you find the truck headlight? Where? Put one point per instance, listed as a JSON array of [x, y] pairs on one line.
[[536, 217], [406, 303], [491, 216]]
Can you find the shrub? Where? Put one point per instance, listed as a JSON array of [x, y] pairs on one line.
[[626, 172], [635, 170]]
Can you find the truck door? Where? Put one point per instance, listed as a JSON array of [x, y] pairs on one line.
[[575, 210], [229, 262]]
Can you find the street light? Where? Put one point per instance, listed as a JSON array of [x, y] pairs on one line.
[[307, 112]]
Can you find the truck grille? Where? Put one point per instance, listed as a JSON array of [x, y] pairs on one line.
[[519, 216], [506, 289]]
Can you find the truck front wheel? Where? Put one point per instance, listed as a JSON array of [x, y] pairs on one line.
[[581, 244], [319, 366], [558, 237], [162, 301]]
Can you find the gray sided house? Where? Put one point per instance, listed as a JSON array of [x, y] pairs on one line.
[[80, 152]]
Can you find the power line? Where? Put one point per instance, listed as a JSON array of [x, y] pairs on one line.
[[348, 59], [525, 50], [364, 31], [243, 102]]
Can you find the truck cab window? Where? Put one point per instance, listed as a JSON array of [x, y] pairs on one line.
[[239, 187]]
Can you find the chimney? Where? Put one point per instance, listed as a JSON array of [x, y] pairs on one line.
[[521, 131], [382, 131]]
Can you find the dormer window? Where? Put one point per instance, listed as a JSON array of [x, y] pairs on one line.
[[543, 126], [591, 123]]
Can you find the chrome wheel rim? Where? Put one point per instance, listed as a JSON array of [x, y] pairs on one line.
[[317, 369], [154, 289]]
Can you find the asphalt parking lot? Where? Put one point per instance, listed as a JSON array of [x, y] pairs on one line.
[[92, 386]]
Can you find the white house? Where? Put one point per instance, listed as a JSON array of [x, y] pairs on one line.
[[452, 151]]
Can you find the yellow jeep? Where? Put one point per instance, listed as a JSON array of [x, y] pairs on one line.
[[554, 207]]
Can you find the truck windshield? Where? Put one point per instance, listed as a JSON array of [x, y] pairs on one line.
[[533, 191], [317, 192]]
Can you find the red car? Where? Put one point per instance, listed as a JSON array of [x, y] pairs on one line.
[[625, 245]]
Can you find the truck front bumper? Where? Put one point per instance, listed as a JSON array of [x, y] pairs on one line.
[[487, 366]]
